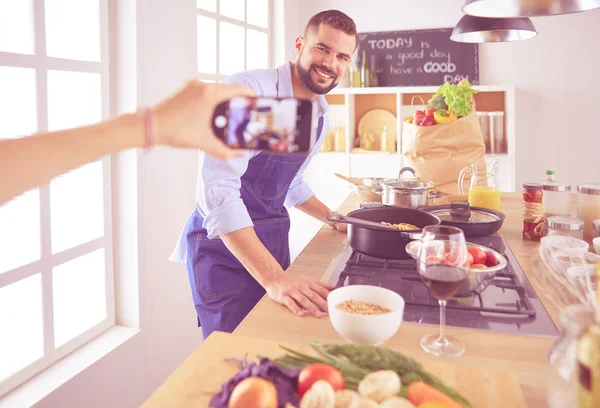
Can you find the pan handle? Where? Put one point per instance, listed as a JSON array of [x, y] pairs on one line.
[[359, 223]]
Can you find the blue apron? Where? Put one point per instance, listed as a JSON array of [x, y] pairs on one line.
[[223, 291]]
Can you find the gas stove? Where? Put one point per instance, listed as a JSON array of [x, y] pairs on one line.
[[505, 303]]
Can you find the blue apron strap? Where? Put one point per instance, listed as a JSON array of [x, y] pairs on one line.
[[319, 127]]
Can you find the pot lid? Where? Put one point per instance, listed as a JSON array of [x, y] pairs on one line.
[[461, 212], [402, 183]]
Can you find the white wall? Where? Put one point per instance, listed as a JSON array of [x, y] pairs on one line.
[[556, 75]]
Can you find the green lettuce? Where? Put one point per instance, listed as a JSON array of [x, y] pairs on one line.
[[457, 97]]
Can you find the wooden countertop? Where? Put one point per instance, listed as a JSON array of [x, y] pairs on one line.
[[526, 357]]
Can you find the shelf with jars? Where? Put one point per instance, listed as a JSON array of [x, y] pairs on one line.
[[370, 120]]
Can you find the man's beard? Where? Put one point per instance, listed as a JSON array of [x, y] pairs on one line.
[[308, 81]]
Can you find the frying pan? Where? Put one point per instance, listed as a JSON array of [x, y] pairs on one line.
[[474, 221], [375, 239]]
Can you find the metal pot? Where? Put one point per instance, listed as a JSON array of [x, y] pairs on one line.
[[406, 193]]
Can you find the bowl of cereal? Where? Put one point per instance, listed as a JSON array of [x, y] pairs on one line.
[[365, 314]]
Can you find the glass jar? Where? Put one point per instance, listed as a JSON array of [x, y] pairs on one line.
[[556, 199], [565, 226], [562, 382], [588, 207], [533, 212]]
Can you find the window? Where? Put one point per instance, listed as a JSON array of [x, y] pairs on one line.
[[56, 290], [233, 36]]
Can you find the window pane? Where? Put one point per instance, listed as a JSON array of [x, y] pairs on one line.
[[77, 207], [208, 5], [16, 26], [257, 50], [74, 99], [258, 12], [73, 29], [78, 295], [22, 339], [20, 231], [17, 102], [233, 9], [207, 45], [231, 44]]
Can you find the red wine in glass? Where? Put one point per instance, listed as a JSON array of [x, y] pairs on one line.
[[443, 281]]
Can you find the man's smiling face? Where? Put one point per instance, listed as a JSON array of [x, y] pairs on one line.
[[324, 57]]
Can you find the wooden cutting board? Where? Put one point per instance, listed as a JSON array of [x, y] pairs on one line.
[[201, 375]]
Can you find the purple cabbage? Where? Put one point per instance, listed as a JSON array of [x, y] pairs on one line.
[[284, 379]]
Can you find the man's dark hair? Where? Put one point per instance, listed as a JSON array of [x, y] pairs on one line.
[[334, 18]]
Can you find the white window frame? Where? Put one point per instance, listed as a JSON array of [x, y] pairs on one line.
[[217, 77], [41, 63]]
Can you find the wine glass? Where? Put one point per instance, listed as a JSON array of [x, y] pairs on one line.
[[443, 267]]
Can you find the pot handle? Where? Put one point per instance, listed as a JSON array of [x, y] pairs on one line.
[[405, 169], [336, 217]]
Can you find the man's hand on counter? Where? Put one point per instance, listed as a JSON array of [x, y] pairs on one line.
[[299, 293]]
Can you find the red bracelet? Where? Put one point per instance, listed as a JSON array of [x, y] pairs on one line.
[[149, 128]]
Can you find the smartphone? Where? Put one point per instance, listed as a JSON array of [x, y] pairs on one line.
[[282, 125]]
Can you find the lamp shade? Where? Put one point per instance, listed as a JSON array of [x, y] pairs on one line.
[[483, 30], [526, 8]]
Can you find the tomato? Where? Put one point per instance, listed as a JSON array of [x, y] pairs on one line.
[[491, 260], [470, 259], [478, 266], [433, 259], [479, 257], [451, 258], [319, 371]]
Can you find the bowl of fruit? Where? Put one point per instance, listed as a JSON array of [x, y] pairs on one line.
[[484, 263]]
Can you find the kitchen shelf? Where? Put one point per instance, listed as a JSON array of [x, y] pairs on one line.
[[348, 105]]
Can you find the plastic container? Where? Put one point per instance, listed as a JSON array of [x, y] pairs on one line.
[[565, 226], [557, 196], [588, 207]]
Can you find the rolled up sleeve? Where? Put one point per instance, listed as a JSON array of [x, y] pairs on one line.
[[299, 191], [218, 195]]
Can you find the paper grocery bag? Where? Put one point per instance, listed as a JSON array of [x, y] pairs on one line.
[[438, 153]]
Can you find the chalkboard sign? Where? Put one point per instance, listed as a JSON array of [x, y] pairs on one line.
[[419, 57]]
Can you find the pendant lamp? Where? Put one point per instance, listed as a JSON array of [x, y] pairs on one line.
[[484, 30], [526, 8]]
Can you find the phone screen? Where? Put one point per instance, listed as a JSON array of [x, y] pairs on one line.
[[282, 125]]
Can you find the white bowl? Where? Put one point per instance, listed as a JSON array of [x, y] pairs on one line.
[[596, 242], [374, 329], [583, 274], [567, 259], [563, 244]]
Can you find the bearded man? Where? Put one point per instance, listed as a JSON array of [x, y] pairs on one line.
[[235, 243]]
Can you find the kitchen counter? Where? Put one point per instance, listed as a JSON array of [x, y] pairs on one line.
[[526, 357]]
